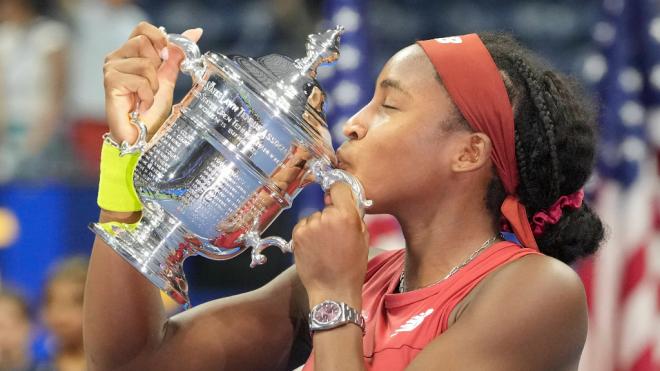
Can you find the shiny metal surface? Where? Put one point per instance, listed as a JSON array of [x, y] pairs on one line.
[[124, 147], [232, 155]]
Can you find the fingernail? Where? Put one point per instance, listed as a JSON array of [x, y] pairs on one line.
[[164, 53], [201, 30]]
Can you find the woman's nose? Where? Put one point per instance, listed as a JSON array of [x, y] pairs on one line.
[[354, 128]]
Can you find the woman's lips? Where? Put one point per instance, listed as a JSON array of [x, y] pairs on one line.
[[341, 162]]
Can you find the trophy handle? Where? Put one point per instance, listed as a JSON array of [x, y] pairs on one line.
[[326, 176], [193, 63], [258, 244]]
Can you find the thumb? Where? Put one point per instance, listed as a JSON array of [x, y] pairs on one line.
[[341, 196], [173, 56]]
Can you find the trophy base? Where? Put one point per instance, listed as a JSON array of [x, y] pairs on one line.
[[156, 246]]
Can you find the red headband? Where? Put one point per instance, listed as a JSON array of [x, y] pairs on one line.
[[474, 83]]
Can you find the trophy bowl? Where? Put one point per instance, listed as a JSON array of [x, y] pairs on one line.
[[232, 155]]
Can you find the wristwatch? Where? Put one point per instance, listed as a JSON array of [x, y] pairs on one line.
[[330, 314]]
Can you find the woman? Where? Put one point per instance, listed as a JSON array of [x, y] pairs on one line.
[[435, 147]]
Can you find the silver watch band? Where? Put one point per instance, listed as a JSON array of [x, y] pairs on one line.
[[346, 314]]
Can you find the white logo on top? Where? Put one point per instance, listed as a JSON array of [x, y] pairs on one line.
[[450, 40], [413, 322]]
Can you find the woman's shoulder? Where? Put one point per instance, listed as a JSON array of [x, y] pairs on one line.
[[534, 272], [534, 297], [540, 280]]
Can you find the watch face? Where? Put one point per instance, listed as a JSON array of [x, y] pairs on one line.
[[327, 312]]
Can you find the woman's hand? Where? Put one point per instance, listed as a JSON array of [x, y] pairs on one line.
[[331, 249], [142, 70]]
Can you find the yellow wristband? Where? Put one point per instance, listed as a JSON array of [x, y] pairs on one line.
[[116, 189]]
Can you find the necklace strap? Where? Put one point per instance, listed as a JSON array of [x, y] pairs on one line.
[[403, 287]]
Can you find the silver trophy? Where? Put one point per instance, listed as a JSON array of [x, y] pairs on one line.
[[231, 157]]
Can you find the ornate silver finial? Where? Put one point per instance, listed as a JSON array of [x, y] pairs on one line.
[[321, 48]]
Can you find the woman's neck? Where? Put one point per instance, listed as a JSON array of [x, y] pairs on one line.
[[439, 238]]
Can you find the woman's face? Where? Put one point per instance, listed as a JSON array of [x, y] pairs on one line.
[[397, 147]]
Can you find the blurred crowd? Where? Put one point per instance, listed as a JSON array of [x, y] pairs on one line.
[[51, 89], [55, 342], [51, 83]]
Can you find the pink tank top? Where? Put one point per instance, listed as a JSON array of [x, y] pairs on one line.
[[398, 326]]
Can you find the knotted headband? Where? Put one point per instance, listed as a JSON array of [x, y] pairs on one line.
[[475, 85]]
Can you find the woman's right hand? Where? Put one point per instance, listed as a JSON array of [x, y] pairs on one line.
[[144, 69]]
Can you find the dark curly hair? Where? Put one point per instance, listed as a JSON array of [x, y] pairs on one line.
[[555, 138]]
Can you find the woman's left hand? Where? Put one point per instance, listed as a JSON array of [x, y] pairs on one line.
[[331, 250]]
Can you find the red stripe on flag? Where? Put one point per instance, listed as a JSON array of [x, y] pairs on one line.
[[382, 225], [633, 272], [657, 304], [585, 270], [645, 361], [656, 213]]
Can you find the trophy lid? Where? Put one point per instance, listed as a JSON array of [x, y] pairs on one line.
[[290, 86]]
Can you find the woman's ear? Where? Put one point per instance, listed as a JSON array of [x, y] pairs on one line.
[[473, 152]]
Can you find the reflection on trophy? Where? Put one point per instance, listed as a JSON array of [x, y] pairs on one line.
[[230, 158]]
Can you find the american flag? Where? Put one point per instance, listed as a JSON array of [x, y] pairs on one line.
[[623, 279], [349, 86]]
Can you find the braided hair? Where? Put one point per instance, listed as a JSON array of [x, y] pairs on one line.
[[555, 139]]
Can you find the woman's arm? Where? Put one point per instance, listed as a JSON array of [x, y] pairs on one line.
[[125, 326], [123, 312], [331, 250]]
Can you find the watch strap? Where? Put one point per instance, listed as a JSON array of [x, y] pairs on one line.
[[347, 315]]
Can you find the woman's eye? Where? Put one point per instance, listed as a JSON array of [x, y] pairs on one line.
[[387, 106]]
